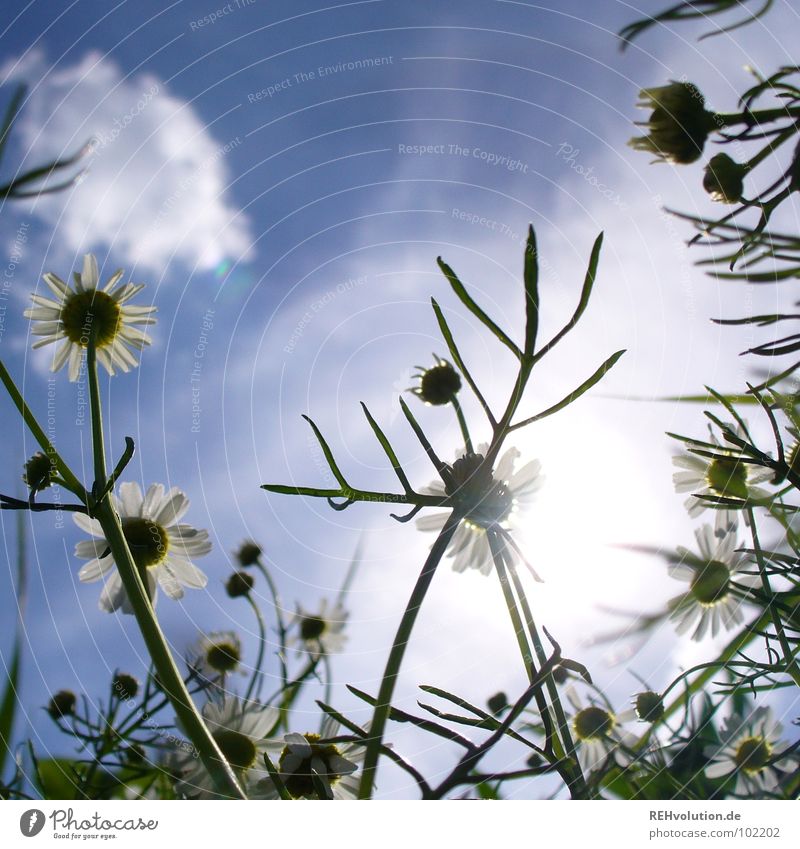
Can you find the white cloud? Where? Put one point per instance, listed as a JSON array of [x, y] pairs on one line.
[[155, 189]]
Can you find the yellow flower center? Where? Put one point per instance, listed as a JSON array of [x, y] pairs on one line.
[[147, 541], [727, 477], [752, 754], [223, 656], [712, 583], [312, 627], [91, 313], [239, 750]]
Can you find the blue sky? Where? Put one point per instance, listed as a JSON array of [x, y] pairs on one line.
[[258, 166]]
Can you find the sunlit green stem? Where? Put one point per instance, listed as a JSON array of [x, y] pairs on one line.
[[550, 683], [788, 653], [572, 776], [258, 672], [168, 675], [398, 650]]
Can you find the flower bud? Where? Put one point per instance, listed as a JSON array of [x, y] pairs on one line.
[[125, 686], [239, 584], [497, 702], [439, 384], [724, 179], [39, 472], [62, 704], [649, 706], [248, 553], [679, 123]]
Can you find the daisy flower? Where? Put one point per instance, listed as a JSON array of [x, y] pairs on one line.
[[598, 734], [724, 477], [162, 548], [321, 632], [300, 758], [490, 502], [216, 654], [78, 313], [716, 584], [240, 730], [747, 745]]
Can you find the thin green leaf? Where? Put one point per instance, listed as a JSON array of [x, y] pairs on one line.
[[464, 297], [441, 468], [586, 293], [575, 394], [328, 455], [276, 779], [388, 450], [531, 277]]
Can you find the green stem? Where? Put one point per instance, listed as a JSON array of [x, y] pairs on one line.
[[788, 655], [276, 602], [730, 119], [579, 782], [168, 675], [262, 642], [398, 650]]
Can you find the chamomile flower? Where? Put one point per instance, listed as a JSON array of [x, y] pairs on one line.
[[747, 745], [490, 501], [321, 632], [716, 585], [723, 476], [598, 734], [85, 311], [240, 730], [217, 654], [311, 768], [162, 548]]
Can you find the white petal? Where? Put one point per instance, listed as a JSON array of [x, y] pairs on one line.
[[186, 572], [89, 275], [75, 360], [172, 509], [96, 569], [113, 596], [88, 549], [89, 526], [130, 495]]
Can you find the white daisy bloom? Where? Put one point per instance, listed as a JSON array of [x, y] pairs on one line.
[[598, 734], [78, 313], [216, 654], [491, 502], [747, 745], [162, 548], [240, 730], [723, 477], [300, 758], [716, 585], [321, 632]]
